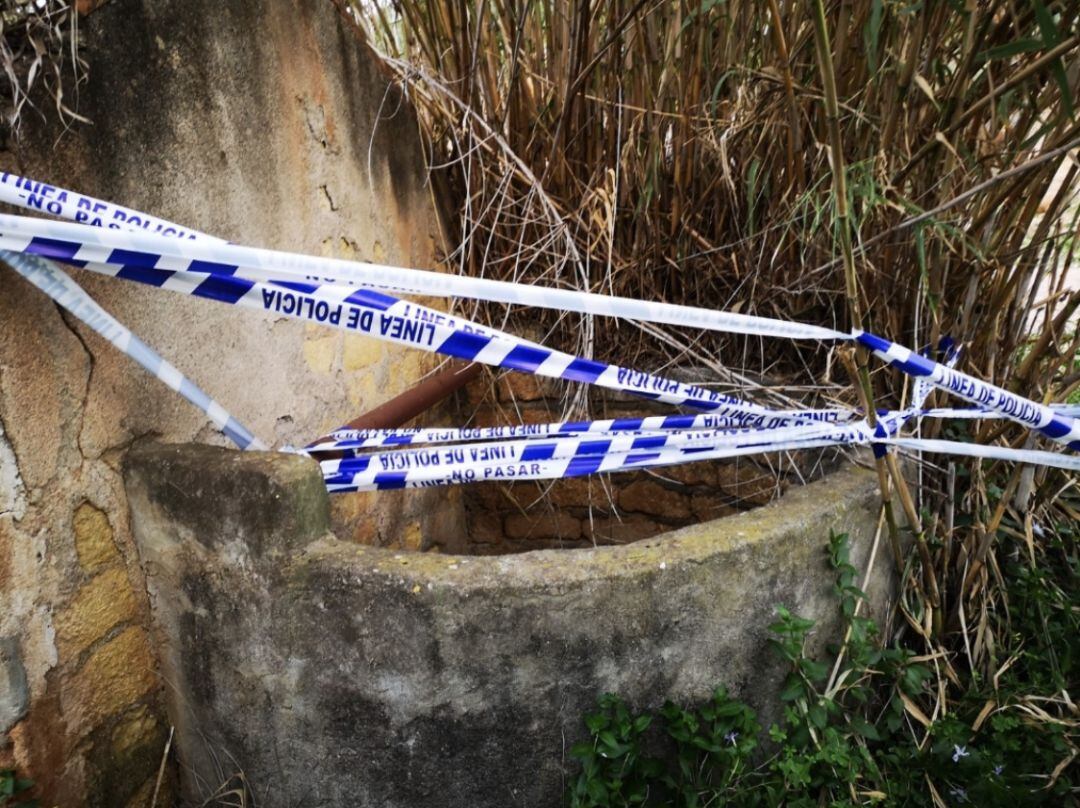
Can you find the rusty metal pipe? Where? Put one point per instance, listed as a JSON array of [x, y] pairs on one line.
[[419, 399]]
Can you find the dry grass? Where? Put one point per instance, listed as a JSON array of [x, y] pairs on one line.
[[39, 59], [669, 152]]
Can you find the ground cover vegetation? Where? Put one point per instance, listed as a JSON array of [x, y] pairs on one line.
[[854, 730], [904, 167]]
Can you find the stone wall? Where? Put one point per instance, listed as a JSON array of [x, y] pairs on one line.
[[609, 509], [254, 120], [337, 674]]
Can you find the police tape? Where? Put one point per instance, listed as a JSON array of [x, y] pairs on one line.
[[502, 349], [489, 466], [587, 447], [55, 283], [128, 244], [383, 317], [347, 440], [326, 304], [580, 448], [527, 450], [54, 201], [80, 242], [496, 462], [1057, 426]]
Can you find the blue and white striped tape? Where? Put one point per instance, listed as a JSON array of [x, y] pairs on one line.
[[48, 199], [352, 439], [128, 244], [541, 460], [568, 457], [374, 314], [87, 243], [1054, 425]]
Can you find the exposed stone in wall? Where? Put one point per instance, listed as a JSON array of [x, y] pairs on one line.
[[618, 508], [12, 492], [254, 120], [334, 674], [94, 540]]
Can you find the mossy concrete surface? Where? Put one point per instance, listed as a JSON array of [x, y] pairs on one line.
[[337, 674]]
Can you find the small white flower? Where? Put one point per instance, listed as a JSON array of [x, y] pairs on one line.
[[959, 752], [731, 737]]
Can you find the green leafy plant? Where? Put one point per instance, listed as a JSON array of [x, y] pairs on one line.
[[616, 771], [852, 732]]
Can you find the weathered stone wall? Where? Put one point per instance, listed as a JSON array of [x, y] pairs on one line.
[[337, 674], [254, 120]]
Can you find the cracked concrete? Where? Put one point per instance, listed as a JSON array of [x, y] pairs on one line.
[[72, 326], [252, 120]]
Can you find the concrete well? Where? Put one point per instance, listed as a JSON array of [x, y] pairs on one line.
[[332, 673]]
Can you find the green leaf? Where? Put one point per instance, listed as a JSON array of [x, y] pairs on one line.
[[793, 688], [1050, 37], [582, 751], [1045, 20], [914, 676], [597, 792], [729, 709], [920, 253], [864, 728], [1011, 49], [706, 744], [872, 34], [813, 670]]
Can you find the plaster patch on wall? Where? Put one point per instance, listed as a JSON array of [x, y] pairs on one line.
[[12, 491], [14, 695]]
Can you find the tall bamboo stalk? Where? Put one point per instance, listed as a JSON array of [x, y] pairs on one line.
[[886, 466]]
